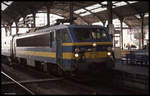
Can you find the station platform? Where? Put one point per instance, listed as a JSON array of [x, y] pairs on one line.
[[131, 68], [132, 77]]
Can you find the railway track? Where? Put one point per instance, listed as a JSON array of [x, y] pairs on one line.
[[107, 84], [40, 84], [17, 85], [43, 83], [102, 84]]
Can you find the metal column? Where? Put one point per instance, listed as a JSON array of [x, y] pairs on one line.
[[110, 24], [109, 8], [16, 27], [6, 32], [34, 21], [48, 16], [71, 12], [121, 33], [142, 29], [10, 30]]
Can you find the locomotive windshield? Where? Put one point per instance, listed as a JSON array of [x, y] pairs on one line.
[[86, 34]]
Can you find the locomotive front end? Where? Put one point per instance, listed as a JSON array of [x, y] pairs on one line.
[[92, 48]]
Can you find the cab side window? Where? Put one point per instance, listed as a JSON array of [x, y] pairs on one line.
[[58, 35], [66, 37], [51, 38]]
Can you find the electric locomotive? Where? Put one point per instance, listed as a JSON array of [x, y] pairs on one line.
[[62, 48]]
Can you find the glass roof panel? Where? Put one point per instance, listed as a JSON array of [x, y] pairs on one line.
[[146, 15], [114, 2], [93, 6], [104, 2], [8, 2], [98, 23], [98, 10], [5, 4], [79, 11], [132, 2], [138, 16], [84, 14], [118, 4]]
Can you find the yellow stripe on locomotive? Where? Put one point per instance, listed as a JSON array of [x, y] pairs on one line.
[[65, 55]]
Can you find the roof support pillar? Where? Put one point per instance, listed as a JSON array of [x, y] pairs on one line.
[[48, 16], [34, 21], [121, 33], [10, 31], [109, 8], [110, 24], [24, 20], [6, 31], [16, 27], [71, 12], [142, 30]]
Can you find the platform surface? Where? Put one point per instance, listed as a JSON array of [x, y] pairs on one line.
[[141, 70]]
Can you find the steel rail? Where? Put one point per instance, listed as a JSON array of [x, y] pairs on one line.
[[18, 83], [32, 81]]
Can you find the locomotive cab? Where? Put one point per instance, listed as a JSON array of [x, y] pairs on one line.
[[85, 47]]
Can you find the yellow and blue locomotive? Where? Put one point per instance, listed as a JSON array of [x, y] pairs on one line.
[[65, 48]]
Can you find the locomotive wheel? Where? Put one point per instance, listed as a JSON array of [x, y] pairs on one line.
[[55, 70], [59, 72], [10, 61], [38, 66]]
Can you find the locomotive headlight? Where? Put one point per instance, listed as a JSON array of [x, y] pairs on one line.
[[108, 53], [76, 55], [94, 44]]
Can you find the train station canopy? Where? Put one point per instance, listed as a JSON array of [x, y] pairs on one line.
[[86, 12]]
